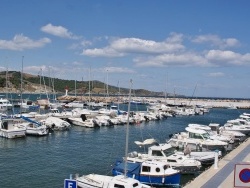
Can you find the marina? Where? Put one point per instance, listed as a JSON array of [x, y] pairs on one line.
[[124, 94], [82, 150]]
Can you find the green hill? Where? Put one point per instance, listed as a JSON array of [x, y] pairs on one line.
[[35, 83]]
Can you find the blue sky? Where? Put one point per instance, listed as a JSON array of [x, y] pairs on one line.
[[163, 45]]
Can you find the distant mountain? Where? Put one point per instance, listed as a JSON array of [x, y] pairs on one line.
[[36, 84]]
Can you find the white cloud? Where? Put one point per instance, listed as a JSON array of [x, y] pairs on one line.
[[183, 59], [21, 42], [118, 70], [58, 31], [125, 46], [216, 74], [228, 57], [135, 45], [211, 58], [217, 41], [172, 51], [105, 52], [175, 38]]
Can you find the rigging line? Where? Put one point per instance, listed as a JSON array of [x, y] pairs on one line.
[[113, 153], [137, 110]]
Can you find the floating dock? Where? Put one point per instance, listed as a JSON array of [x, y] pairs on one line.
[[222, 175]]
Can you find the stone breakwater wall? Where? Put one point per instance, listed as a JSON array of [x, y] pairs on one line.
[[215, 103]]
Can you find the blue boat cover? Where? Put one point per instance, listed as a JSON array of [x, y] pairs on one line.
[[30, 120], [132, 168]]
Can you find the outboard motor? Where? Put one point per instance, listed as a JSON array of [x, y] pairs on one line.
[[83, 116]]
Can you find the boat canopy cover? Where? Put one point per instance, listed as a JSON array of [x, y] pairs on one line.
[[195, 130], [132, 168], [30, 120], [146, 142]]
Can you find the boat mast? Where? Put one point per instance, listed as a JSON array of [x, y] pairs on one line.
[[192, 94], [107, 87], [40, 83], [21, 94], [166, 85], [6, 84], [75, 87], [127, 129], [118, 98], [89, 84]]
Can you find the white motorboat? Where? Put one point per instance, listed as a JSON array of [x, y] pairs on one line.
[[34, 128], [103, 181], [235, 125], [212, 134], [75, 104], [10, 128], [56, 123], [162, 151], [246, 114], [123, 118], [84, 122], [5, 104], [166, 153], [87, 112], [205, 157], [102, 120], [236, 135], [245, 117], [196, 139], [54, 112]]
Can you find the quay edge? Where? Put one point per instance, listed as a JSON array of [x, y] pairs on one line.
[[223, 176]]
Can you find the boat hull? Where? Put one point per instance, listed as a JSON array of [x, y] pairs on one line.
[[12, 134], [148, 173], [173, 179]]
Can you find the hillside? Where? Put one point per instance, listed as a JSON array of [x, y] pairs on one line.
[[37, 84]]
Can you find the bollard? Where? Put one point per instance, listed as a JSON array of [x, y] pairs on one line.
[[216, 160]]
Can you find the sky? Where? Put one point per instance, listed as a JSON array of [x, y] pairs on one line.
[[194, 48]]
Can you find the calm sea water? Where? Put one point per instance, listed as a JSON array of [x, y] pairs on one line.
[[44, 162]]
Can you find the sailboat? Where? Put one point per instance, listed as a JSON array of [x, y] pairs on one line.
[[104, 181]]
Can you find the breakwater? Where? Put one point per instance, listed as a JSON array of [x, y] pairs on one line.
[[214, 103]]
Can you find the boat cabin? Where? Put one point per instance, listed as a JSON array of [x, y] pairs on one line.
[[197, 133], [138, 169], [161, 150], [10, 124]]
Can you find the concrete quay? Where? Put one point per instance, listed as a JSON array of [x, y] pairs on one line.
[[222, 176]]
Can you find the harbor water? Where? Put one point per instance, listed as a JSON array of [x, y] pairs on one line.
[[44, 162]]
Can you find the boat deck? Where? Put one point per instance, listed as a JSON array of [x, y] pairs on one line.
[[223, 176]]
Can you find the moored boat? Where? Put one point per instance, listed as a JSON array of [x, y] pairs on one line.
[[10, 128], [196, 139]]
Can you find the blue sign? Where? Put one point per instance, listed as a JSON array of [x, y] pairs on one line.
[[245, 175], [69, 183]]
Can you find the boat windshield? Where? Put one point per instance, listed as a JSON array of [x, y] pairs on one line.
[[169, 152], [199, 136], [205, 135]]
